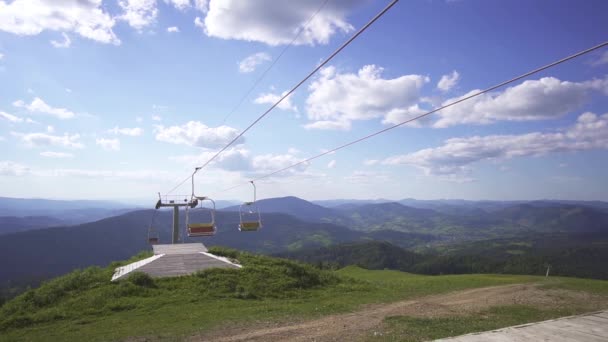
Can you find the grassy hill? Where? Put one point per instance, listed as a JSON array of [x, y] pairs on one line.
[[85, 305]]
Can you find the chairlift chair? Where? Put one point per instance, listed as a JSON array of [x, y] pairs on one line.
[[205, 228], [249, 215], [153, 234]]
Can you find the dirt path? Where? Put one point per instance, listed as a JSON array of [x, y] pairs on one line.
[[356, 325]]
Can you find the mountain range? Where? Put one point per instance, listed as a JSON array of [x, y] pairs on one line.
[[290, 225]]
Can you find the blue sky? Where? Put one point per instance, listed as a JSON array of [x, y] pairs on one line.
[[121, 99]]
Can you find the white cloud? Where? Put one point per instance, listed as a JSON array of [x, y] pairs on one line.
[[50, 129], [276, 22], [194, 133], [266, 163], [60, 155], [337, 99], [371, 162], [232, 159], [448, 82], [600, 59], [238, 159], [39, 106], [108, 144], [179, 4], [139, 119], [45, 140], [271, 99], [339, 125], [399, 115], [202, 5], [137, 175], [156, 118], [173, 29], [545, 98], [132, 132], [331, 164], [68, 90], [198, 22], [64, 44], [455, 157], [138, 13], [10, 118], [366, 177], [84, 17], [250, 63], [1, 56], [10, 168]]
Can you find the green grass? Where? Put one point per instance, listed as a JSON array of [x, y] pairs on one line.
[[404, 328], [392, 285], [577, 284], [85, 305]]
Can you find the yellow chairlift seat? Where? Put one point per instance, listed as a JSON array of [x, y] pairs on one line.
[[250, 219], [201, 229], [205, 228], [250, 226]]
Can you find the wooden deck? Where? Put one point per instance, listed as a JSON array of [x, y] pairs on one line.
[[584, 328]]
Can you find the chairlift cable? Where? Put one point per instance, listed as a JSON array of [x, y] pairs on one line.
[[263, 74], [453, 103], [293, 89]]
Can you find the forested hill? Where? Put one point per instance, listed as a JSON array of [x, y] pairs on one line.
[[577, 255], [49, 252], [459, 220]]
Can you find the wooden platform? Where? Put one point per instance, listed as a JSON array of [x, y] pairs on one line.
[[584, 328], [175, 260]]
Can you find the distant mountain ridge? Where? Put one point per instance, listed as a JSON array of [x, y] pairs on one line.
[[50, 252], [13, 224], [293, 206], [18, 214], [491, 220], [290, 224]]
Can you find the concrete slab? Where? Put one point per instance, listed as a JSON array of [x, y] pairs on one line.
[[584, 328], [174, 261], [182, 248]]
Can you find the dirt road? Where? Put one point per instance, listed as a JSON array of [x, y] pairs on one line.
[[356, 325]]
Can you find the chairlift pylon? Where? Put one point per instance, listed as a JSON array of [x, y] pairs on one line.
[[249, 214]]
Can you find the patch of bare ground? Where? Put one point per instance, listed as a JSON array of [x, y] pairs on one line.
[[356, 325]]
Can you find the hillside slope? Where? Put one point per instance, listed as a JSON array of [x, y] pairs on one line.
[[297, 299], [43, 253]]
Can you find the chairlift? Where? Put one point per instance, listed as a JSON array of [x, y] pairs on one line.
[[153, 233], [205, 228], [249, 215]]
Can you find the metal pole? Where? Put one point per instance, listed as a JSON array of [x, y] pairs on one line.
[[175, 225]]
